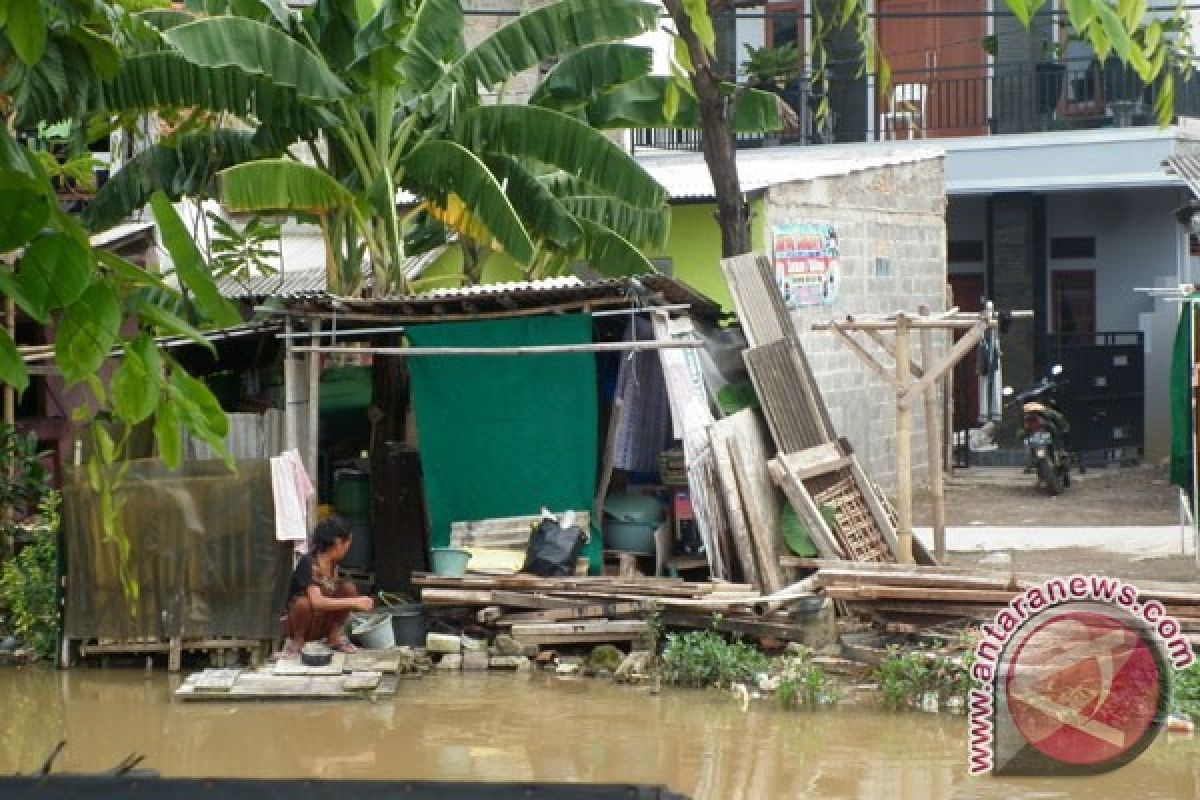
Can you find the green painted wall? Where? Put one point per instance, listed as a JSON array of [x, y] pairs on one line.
[[694, 247], [445, 272]]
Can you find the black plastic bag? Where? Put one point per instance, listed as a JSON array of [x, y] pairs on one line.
[[553, 550]]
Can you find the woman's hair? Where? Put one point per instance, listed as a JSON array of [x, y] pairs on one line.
[[328, 532]]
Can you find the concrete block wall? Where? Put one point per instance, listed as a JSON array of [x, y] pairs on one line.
[[485, 17], [895, 213]]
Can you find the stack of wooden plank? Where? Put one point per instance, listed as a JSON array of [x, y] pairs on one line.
[[909, 593], [816, 470], [577, 610]]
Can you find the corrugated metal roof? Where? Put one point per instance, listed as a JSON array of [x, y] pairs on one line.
[[304, 280], [687, 177], [1186, 167], [543, 285]]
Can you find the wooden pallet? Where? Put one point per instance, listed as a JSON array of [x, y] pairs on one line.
[[174, 648]]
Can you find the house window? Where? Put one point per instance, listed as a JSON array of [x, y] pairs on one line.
[[785, 24], [964, 251], [1073, 247], [1073, 301]]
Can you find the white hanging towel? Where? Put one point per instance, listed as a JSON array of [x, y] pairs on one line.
[[292, 488]]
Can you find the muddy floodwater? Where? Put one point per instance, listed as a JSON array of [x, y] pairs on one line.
[[534, 728]]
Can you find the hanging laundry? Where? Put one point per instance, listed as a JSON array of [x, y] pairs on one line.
[[292, 489]]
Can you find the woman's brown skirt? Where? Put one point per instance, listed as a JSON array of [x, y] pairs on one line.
[[303, 623]]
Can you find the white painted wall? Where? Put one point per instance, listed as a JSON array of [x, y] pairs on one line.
[[1137, 243]]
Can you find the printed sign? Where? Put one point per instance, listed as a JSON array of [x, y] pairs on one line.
[[807, 263]]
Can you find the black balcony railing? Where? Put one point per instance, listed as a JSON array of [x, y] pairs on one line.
[[964, 101]]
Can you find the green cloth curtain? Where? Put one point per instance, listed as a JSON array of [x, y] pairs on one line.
[[503, 436], [1181, 402]]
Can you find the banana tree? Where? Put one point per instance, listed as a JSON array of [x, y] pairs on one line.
[[386, 102]]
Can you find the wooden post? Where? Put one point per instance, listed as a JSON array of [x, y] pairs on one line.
[[903, 443], [936, 487], [314, 408], [291, 427]]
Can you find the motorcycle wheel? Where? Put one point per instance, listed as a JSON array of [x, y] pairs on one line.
[[1049, 476]]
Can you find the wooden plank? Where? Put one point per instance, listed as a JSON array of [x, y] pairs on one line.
[[691, 416], [592, 610], [503, 532], [434, 596], [722, 433], [802, 502], [579, 632], [867, 358], [524, 600], [923, 593], [802, 467], [748, 456], [585, 626]]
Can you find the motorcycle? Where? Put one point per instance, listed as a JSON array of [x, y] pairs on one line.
[[1046, 429]]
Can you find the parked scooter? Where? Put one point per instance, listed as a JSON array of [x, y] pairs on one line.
[[1046, 429]]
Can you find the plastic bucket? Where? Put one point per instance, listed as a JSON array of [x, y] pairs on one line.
[[374, 632], [408, 619], [450, 562]]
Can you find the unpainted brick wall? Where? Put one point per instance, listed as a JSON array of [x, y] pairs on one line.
[[895, 213]]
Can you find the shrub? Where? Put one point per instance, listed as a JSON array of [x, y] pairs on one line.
[[907, 678], [706, 658], [803, 683], [1185, 691], [29, 583]]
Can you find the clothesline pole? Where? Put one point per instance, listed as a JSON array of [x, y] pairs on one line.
[[904, 532], [314, 394], [518, 350]]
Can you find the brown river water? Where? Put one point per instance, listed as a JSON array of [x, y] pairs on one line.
[[535, 728]]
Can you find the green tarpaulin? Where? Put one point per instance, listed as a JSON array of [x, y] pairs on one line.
[[503, 436], [1181, 402]]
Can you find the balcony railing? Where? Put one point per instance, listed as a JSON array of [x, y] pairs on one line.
[[961, 101]]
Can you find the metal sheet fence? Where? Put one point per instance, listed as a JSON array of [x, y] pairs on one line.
[[203, 554]]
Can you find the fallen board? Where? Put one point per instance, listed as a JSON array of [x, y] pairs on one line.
[[579, 632], [591, 611]]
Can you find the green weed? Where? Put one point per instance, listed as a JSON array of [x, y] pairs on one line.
[[706, 658]]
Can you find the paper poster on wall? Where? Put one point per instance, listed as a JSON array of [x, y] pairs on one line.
[[807, 263]]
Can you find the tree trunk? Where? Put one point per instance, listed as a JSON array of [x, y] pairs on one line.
[[716, 113]]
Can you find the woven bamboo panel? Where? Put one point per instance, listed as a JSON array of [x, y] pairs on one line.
[[855, 528]]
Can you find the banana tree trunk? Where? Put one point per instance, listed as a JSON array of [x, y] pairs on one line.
[[716, 112]]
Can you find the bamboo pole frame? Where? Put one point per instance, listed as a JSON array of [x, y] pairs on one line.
[[909, 381], [522, 350]]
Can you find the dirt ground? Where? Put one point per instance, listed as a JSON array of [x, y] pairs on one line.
[[1133, 496], [1005, 496]]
